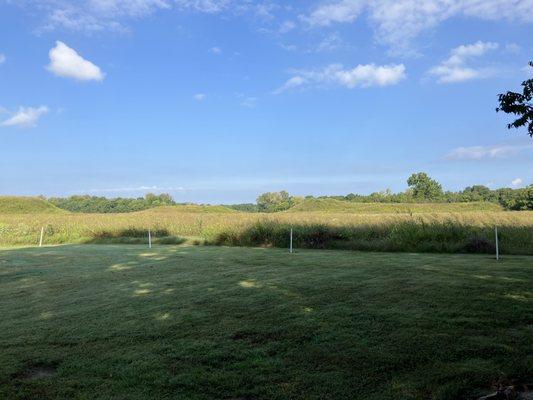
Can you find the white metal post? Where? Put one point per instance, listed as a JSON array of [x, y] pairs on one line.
[[290, 248], [149, 239], [497, 244], [41, 239]]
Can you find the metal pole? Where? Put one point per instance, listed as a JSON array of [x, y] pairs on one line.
[[497, 244], [290, 248], [41, 239], [149, 239]]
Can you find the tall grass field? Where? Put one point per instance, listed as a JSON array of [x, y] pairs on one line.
[[415, 229]]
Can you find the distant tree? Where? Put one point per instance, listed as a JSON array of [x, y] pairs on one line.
[[163, 199], [274, 201], [93, 204], [519, 104], [424, 188], [478, 193]]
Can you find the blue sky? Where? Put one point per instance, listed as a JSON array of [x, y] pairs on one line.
[[219, 101]]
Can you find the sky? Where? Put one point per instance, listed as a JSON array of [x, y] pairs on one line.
[[217, 101]]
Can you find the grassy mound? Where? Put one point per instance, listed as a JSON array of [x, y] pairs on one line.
[[26, 205], [333, 205]]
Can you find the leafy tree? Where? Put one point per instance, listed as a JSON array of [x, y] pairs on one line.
[[424, 188], [478, 193], [519, 104], [275, 201], [163, 199]]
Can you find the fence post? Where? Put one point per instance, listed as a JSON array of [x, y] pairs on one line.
[[149, 239], [290, 246], [41, 239], [497, 243]]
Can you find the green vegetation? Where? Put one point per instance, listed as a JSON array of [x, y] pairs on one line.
[[334, 205], [123, 322], [423, 188], [520, 105], [437, 236], [193, 208], [415, 231], [275, 201], [92, 204], [245, 207], [26, 205]]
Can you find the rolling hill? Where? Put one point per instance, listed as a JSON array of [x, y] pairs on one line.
[[27, 205], [333, 205]]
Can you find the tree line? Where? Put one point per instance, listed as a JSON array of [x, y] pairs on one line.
[[421, 189], [94, 204]]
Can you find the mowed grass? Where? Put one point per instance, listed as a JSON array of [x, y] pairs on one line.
[[177, 322]]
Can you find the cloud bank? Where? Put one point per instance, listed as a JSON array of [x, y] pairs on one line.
[[336, 75]]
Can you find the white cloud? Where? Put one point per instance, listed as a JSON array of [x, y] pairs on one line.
[[331, 42], [132, 8], [2, 58], [454, 69], [215, 50], [288, 47], [486, 152], [94, 15], [26, 117], [67, 63], [286, 27], [462, 53], [335, 74], [199, 97], [341, 11], [517, 182], [247, 101], [91, 16], [205, 6], [398, 22]]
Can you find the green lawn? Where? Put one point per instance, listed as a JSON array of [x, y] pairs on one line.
[[123, 322]]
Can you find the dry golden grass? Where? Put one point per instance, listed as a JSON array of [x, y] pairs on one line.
[[238, 228]]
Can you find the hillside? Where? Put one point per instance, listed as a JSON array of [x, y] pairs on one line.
[[333, 205], [27, 205]]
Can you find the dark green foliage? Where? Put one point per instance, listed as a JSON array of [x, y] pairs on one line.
[[246, 207], [510, 199], [402, 236], [93, 204], [520, 105], [202, 323], [424, 188], [518, 199]]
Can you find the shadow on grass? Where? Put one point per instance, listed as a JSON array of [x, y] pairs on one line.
[[220, 312], [134, 236], [407, 236]]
